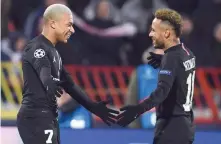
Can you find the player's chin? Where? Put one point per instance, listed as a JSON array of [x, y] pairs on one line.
[[154, 45], [65, 41]]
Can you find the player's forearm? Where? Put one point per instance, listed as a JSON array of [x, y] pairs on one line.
[[79, 95], [156, 97], [75, 91]]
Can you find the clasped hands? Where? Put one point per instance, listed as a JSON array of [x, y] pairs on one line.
[[129, 113], [126, 115]]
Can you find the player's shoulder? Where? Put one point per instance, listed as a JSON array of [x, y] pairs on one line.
[[35, 44], [180, 52], [186, 53], [172, 55], [34, 49], [188, 59]]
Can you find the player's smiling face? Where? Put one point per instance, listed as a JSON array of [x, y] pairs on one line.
[[64, 27], [156, 33]]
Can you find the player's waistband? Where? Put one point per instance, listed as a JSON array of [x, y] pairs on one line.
[[188, 115], [37, 112], [175, 116]]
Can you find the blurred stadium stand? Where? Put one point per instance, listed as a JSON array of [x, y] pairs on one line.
[[101, 82]]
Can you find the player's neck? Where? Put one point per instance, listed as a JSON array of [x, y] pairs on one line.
[[172, 43], [49, 36]]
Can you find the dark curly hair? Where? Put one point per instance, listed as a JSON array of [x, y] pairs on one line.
[[172, 17]]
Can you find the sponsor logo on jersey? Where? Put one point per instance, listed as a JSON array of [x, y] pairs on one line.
[[165, 72]]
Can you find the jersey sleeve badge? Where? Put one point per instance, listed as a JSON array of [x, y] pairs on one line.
[[39, 53]]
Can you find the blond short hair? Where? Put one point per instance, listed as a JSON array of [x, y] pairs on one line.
[[54, 11]]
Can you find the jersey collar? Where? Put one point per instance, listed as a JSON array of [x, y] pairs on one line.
[[173, 48], [45, 40]]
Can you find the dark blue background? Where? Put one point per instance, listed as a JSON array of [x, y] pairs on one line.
[[126, 136]]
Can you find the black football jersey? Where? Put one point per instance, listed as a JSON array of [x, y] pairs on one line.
[[174, 93], [39, 53]]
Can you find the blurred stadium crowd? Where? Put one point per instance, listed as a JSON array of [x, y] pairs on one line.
[[116, 30], [113, 32]]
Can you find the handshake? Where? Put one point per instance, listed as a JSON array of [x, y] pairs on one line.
[[128, 113]]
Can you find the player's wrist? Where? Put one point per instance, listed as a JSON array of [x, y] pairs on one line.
[[139, 109], [142, 107]]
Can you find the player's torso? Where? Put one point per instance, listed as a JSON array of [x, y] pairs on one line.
[[34, 93], [56, 63], [179, 99]]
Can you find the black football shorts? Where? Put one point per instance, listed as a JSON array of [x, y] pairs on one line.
[[38, 130], [175, 130]]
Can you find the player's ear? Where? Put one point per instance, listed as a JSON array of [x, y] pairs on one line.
[[167, 34], [52, 24]]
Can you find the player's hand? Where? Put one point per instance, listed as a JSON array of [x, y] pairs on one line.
[[129, 114], [53, 87], [154, 59], [106, 114], [58, 91]]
